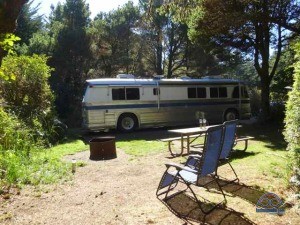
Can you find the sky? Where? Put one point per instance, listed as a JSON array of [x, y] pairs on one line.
[[95, 6]]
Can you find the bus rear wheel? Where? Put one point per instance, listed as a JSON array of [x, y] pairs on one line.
[[231, 115], [127, 123]]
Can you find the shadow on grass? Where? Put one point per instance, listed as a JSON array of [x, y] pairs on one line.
[[237, 189], [248, 193], [268, 133], [237, 154], [186, 208]]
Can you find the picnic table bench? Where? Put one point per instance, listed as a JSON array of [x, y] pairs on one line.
[[170, 141], [243, 139], [187, 135]]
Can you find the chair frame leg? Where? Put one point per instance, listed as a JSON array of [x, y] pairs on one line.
[[231, 181], [215, 177]]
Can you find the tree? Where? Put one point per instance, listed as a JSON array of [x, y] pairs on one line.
[[176, 43], [153, 26], [283, 78], [71, 58], [251, 27], [114, 42], [9, 11], [28, 22]]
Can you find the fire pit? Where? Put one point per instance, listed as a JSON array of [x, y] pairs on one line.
[[102, 148]]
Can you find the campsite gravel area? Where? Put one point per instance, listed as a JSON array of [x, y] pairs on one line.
[[117, 191]]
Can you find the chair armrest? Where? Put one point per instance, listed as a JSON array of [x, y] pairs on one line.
[[180, 167]]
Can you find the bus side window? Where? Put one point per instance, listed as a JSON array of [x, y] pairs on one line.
[[201, 92], [118, 93], [192, 93], [132, 93], [235, 93], [214, 92], [222, 92]]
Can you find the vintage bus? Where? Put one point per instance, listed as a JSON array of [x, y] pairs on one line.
[[128, 104]]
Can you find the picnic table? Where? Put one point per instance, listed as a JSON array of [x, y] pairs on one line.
[[187, 137]]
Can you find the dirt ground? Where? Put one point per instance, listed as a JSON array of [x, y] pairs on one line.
[[122, 191]]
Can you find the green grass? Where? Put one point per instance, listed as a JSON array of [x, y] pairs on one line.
[[67, 148], [42, 166], [265, 163], [141, 147], [49, 166]]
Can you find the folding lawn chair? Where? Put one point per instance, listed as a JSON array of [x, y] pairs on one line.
[[207, 166], [227, 147]]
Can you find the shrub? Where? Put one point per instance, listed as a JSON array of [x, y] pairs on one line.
[[22, 161], [255, 101], [28, 95], [292, 119], [16, 145], [28, 91]]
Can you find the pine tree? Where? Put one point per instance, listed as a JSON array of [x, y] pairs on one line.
[[71, 59]]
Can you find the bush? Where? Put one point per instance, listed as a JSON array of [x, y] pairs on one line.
[[16, 145], [255, 101], [277, 110], [22, 161], [27, 92], [292, 119]]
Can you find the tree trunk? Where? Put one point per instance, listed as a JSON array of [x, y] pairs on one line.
[[159, 70], [265, 99], [170, 60], [9, 11], [171, 53]]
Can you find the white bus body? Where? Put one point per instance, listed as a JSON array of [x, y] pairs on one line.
[[127, 104]]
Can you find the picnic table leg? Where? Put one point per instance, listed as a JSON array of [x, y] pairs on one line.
[[188, 144], [181, 148], [169, 146], [246, 145], [182, 144]]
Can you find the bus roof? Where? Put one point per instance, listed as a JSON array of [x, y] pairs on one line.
[[178, 81]]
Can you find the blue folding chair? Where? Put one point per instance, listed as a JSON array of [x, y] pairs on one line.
[[228, 143], [207, 166], [227, 147]]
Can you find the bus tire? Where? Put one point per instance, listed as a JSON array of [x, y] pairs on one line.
[[127, 122], [231, 114]]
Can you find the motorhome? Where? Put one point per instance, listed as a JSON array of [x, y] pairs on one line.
[[128, 104]]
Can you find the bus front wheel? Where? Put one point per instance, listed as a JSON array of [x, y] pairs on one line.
[[127, 123], [231, 115]]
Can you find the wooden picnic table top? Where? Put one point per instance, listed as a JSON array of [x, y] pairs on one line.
[[191, 130], [194, 130]]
